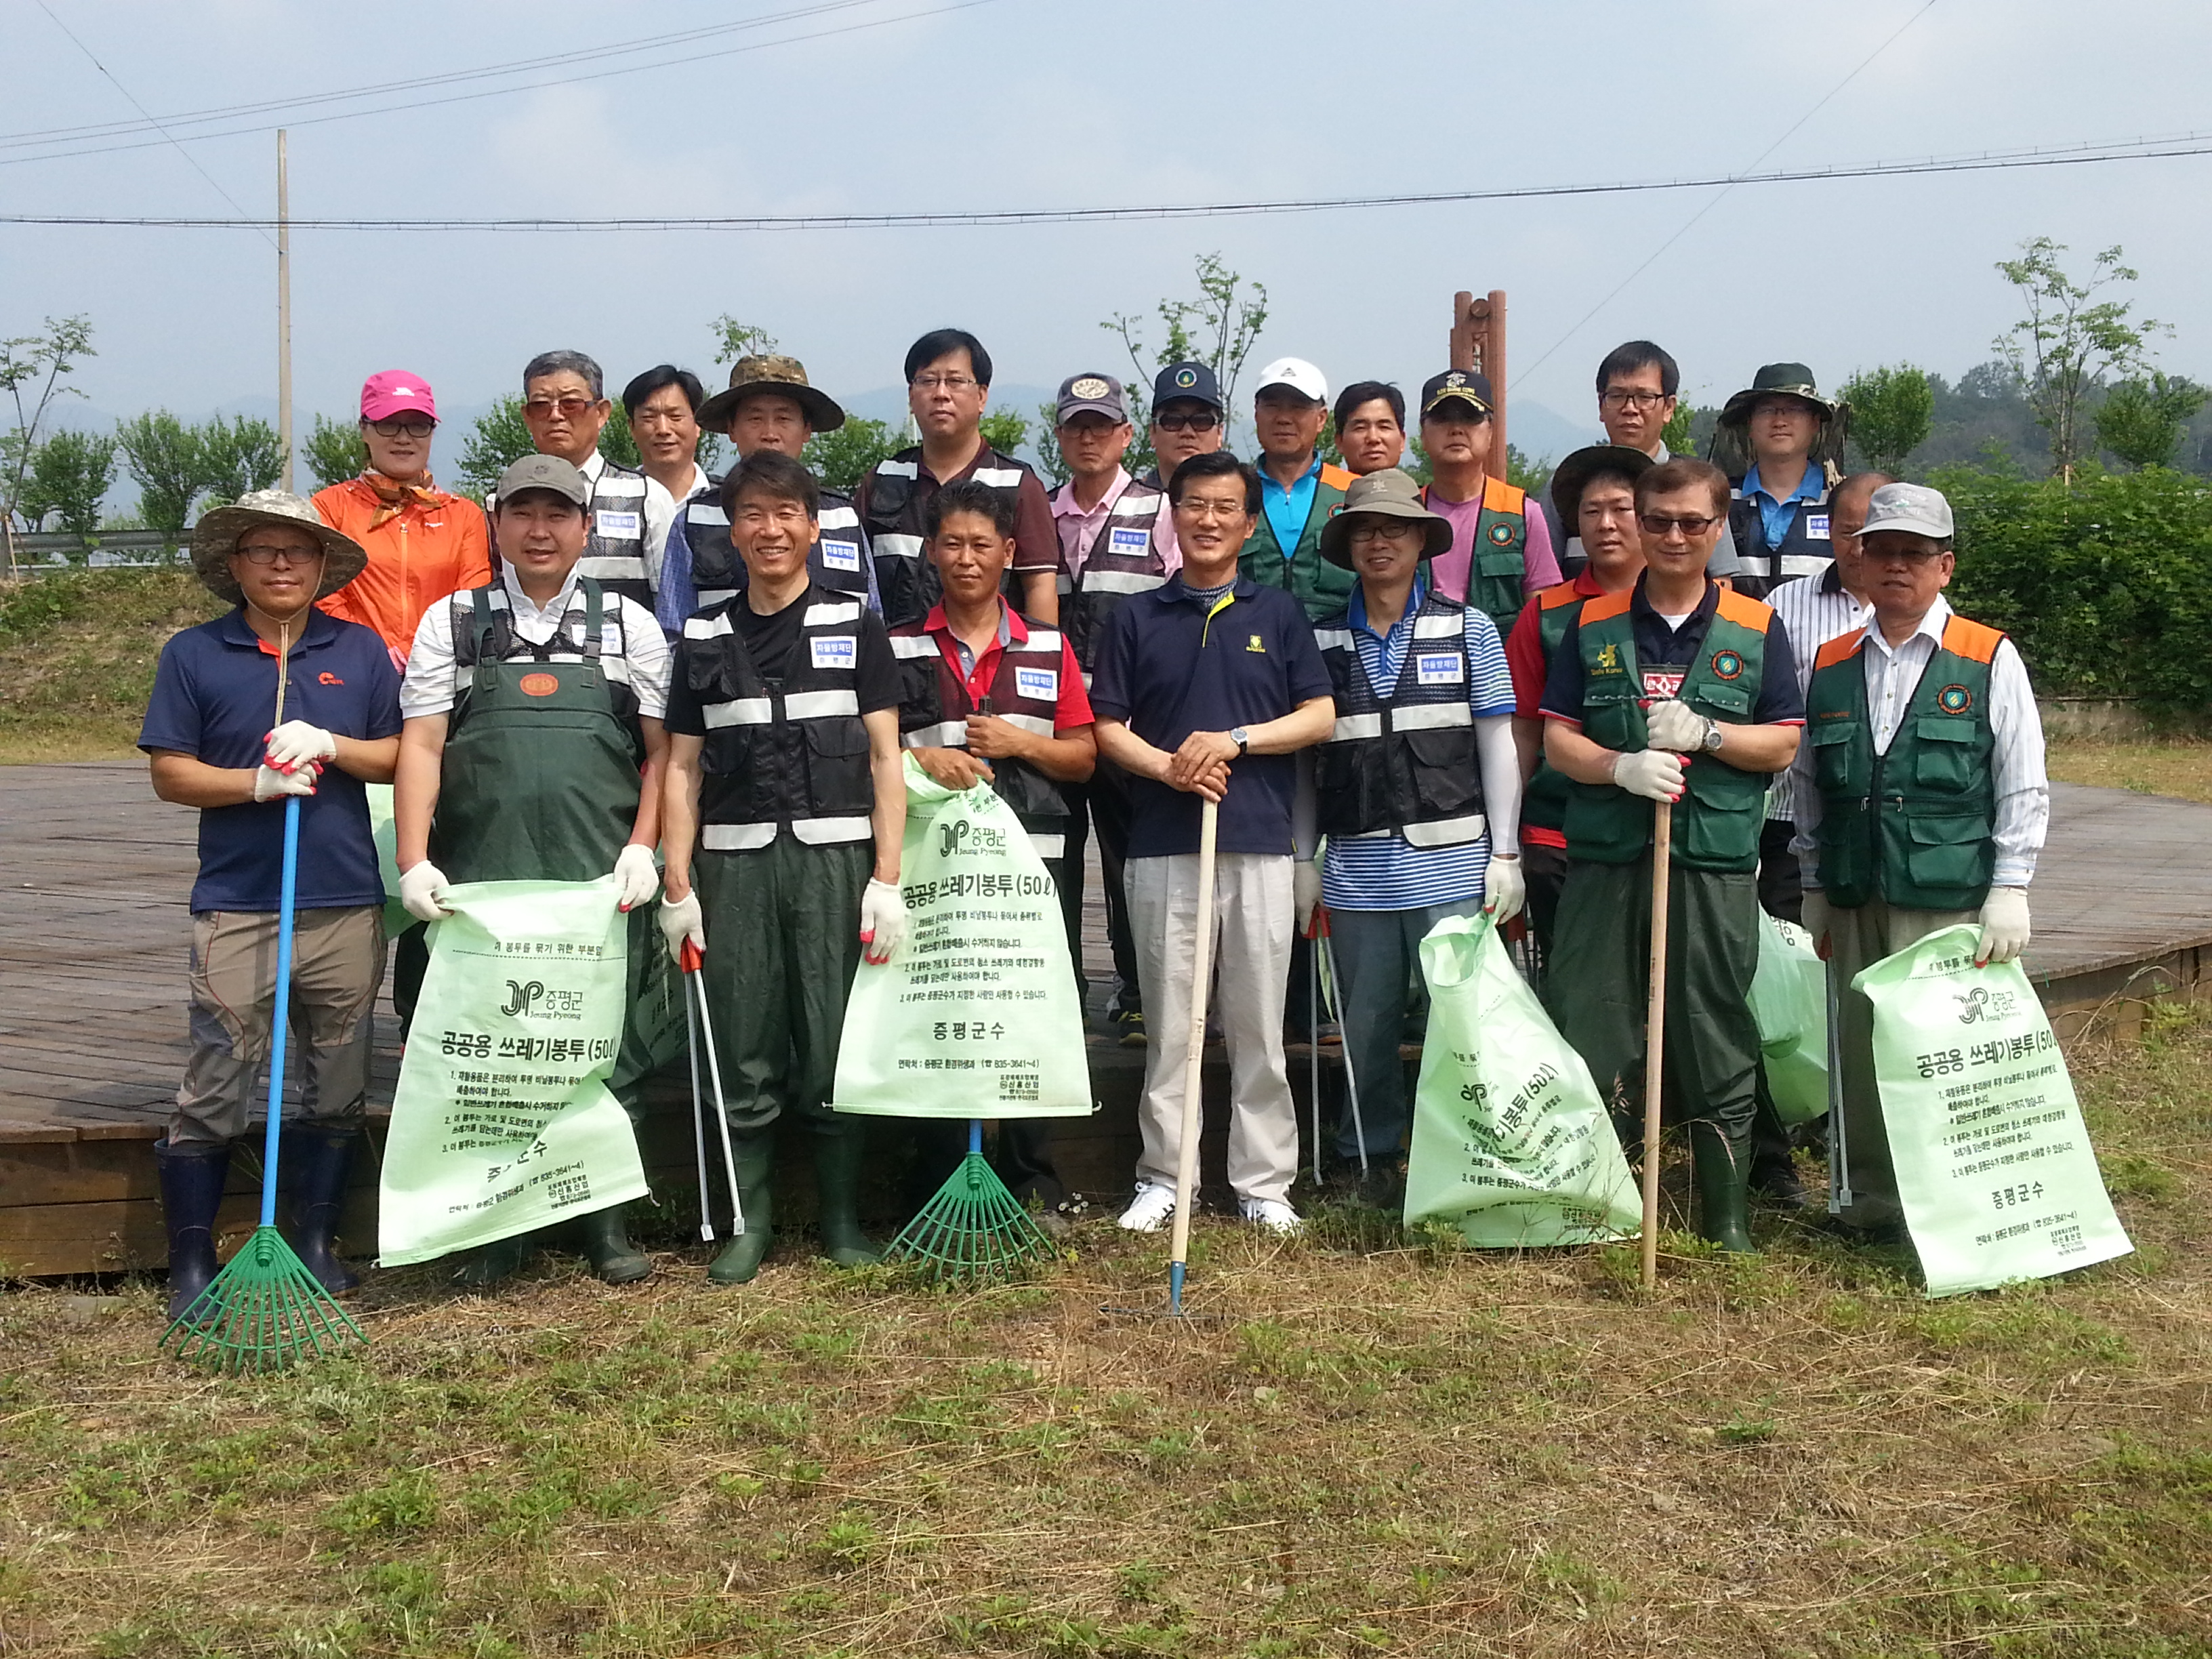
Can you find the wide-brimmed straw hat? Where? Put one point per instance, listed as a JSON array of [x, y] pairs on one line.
[[215, 538], [768, 372], [1394, 495]]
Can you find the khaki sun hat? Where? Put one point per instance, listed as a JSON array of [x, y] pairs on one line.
[[785, 376], [1393, 494], [215, 537]]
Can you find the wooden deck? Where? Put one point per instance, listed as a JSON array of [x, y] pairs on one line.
[[94, 933]]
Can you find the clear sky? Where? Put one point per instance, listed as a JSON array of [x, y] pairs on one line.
[[1044, 103]]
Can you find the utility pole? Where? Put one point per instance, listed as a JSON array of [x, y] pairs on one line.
[[284, 311], [1478, 343]]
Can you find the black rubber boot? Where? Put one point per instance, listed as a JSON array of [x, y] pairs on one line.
[[839, 1147], [1723, 1177], [500, 1259], [191, 1191], [1773, 1170], [607, 1247], [740, 1260], [315, 1164]]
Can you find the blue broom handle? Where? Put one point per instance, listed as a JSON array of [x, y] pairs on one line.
[[974, 1136], [283, 1015]]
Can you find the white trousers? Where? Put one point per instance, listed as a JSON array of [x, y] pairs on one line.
[[1252, 930]]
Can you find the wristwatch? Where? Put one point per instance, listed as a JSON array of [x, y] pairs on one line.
[[1236, 735], [1711, 745]]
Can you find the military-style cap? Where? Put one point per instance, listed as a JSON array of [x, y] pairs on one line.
[[770, 372], [1464, 386], [1192, 380], [1091, 394], [542, 473]]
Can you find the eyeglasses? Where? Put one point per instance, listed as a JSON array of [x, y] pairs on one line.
[[955, 383], [1915, 557], [1659, 524], [1633, 399], [403, 426], [1204, 420], [261, 553], [1384, 530], [570, 408]]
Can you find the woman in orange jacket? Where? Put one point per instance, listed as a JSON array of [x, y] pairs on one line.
[[423, 544]]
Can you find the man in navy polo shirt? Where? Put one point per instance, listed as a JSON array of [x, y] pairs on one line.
[[1206, 688], [209, 731]]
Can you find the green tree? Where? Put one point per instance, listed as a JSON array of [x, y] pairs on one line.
[[616, 442], [2140, 419], [498, 439], [1675, 435], [238, 457], [1050, 461], [1892, 412], [69, 475], [842, 459], [2069, 340], [1006, 429], [1219, 329], [163, 455], [334, 451], [33, 367], [1534, 477], [740, 340]]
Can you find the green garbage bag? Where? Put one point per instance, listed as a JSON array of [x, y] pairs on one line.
[[1512, 1143], [977, 1015], [382, 831], [502, 1122], [1994, 1166], [1789, 1001]]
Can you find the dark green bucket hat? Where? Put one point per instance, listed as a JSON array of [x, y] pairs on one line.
[[1777, 380]]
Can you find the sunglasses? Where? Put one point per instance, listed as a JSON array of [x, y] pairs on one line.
[[403, 426], [1658, 523], [570, 408], [1203, 421]]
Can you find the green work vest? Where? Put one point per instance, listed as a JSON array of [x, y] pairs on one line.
[[1544, 802], [1497, 566], [1717, 821], [1319, 587], [1916, 825]]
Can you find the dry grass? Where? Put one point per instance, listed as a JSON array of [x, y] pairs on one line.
[[2176, 767], [1411, 1452]]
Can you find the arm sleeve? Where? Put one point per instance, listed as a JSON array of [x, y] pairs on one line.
[[427, 688], [1305, 675], [1074, 707], [1036, 542], [1489, 682], [173, 713], [1780, 701], [1563, 685], [683, 715], [647, 648], [877, 674], [1524, 660], [1539, 564], [1500, 761], [2023, 806], [1805, 805]]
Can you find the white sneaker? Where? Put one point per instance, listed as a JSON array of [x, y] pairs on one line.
[[1150, 1210], [1274, 1215]]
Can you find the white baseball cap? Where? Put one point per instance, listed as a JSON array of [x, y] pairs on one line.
[[1909, 507], [1296, 373]]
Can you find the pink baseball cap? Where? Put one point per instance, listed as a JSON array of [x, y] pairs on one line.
[[395, 392]]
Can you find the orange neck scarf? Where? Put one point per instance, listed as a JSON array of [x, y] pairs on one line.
[[393, 497]]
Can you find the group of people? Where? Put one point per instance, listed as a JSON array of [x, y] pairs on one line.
[[1407, 701]]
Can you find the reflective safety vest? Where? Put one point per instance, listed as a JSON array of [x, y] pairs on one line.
[[1804, 550], [1499, 569], [836, 564], [934, 704], [1122, 562], [1402, 764], [891, 504], [1321, 588], [1915, 825], [792, 752], [614, 553], [1717, 821], [483, 632], [1544, 800]]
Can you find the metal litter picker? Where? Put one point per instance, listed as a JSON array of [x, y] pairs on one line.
[[695, 990], [264, 1309]]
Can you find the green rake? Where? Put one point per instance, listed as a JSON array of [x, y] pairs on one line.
[[973, 1230], [264, 1309]]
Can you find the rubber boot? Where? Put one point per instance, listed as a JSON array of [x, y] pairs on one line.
[[839, 1147], [740, 1260], [500, 1259], [191, 1191], [1723, 1175], [607, 1247], [315, 1163], [1773, 1169]]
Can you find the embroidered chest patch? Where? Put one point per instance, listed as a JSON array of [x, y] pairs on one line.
[[1955, 700], [1502, 534], [1727, 664]]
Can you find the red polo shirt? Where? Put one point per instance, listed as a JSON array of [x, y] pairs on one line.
[[1073, 707], [1525, 661]]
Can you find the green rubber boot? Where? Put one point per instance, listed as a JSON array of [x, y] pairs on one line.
[[1723, 1175], [607, 1248], [840, 1144], [740, 1259], [499, 1259]]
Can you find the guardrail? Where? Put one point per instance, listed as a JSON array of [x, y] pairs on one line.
[[47, 552]]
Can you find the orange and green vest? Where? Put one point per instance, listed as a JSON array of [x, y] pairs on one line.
[[1497, 568], [1915, 826], [1717, 821], [1321, 588], [1544, 802]]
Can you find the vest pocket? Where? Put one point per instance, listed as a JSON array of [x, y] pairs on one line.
[[1723, 700], [1446, 779], [1508, 564], [1720, 831], [1949, 853], [1943, 754], [837, 767], [1611, 719], [1833, 753]]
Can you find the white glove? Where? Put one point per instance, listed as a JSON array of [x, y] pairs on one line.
[[1654, 773], [419, 887], [2004, 925], [680, 920], [883, 920], [269, 783], [1504, 889], [1818, 920], [1672, 724], [636, 877], [1306, 894], [295, 741]]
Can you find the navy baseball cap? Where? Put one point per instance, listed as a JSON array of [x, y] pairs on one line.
[[1461, 386], [1194, 380]]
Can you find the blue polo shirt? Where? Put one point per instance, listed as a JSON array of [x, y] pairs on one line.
[[1775, 514], [1287, 510], [1167, 665], [214, 698]]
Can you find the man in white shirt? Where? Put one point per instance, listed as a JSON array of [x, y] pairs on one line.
[[1921, 789]]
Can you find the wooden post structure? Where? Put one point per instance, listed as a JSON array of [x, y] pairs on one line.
[[1478, 343], [284, 311]]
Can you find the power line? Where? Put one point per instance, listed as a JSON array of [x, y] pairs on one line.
[[2141, 149], [532, 85]]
